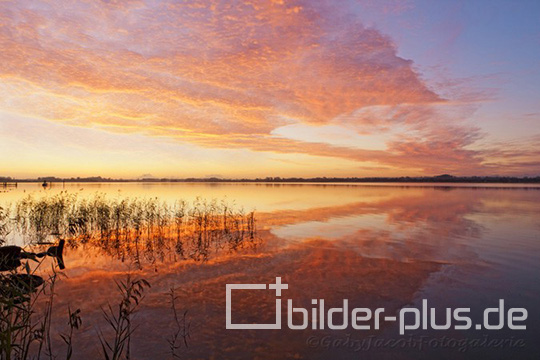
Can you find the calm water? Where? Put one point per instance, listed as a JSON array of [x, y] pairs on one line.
[[376, 245]]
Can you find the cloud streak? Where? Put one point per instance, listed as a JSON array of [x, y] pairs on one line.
[[226, 74]]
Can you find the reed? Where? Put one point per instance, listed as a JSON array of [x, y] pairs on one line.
[[25, 331], [20, 324], [182, 326], [4, 224], [120, 318], [142, 229], [75, 322]]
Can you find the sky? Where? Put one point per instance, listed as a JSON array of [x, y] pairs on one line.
[[289, 88]]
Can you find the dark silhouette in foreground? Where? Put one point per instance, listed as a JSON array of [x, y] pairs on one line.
[[18, 286], [11, 256]]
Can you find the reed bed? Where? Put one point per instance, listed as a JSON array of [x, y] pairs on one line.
[[137, 228], [25, 332], [20, 325], [4, 224]]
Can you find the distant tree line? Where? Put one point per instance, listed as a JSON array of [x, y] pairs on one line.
[[403, 179]]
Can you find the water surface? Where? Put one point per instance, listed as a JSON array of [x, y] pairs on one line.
[[378, 245]]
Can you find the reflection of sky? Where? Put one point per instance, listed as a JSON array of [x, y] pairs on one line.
[[381, 246], [259, 197], [334, 228]]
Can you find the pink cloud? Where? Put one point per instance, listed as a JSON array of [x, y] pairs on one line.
[[226, 74]]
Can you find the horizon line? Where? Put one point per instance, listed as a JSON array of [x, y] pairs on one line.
[[445, 178]]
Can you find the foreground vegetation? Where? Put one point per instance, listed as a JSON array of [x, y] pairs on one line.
[[131, 229], [27, 309]]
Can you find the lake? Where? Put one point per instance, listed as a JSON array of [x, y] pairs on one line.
[[377, 245]]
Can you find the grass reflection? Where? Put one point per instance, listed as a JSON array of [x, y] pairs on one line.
[[140, 229]]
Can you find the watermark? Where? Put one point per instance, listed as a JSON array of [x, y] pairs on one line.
[[318, 317], [412, 342]]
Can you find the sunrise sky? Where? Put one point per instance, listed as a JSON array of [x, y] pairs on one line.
[[269, 88]]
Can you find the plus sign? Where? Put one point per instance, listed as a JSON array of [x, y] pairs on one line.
[[278, 286]]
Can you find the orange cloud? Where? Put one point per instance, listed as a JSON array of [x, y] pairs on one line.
[[225, 75]]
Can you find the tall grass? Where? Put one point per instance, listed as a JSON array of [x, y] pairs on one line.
[[20, 325], [25, 332], [182, 327], [75, 322], [142, 229], [120, 318], [4, 224]]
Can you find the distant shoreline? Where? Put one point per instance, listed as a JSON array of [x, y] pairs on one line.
[[433, 179]]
